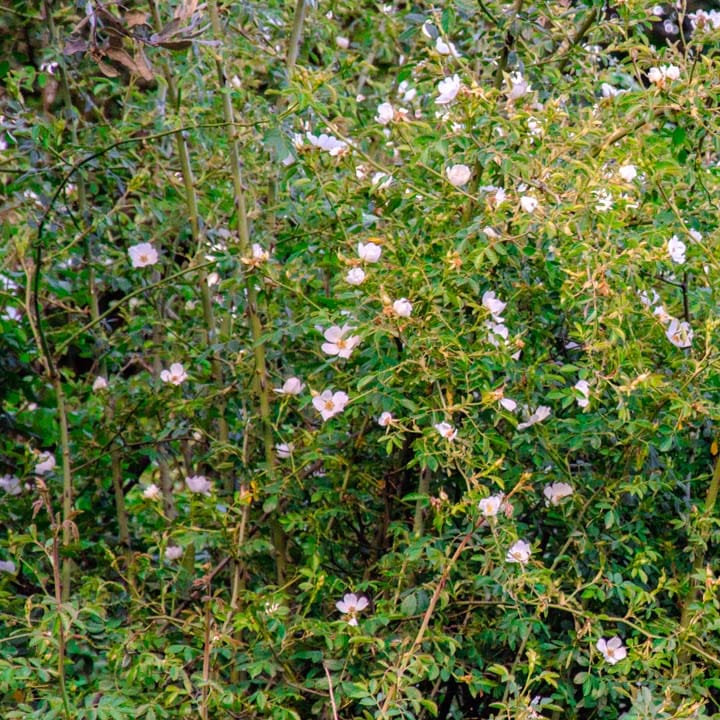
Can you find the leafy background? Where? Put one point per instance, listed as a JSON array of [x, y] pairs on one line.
[[188, 127]]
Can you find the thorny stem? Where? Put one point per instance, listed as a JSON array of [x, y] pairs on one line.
[[295, 37], [166, 484], [423, 492], [51, 369], [157, 282], [582, 31], [210, 330], [409, 654], [507, 45], [207, 647], [115, 455], [333, 705], [54, 558], [699, 561], [261, 383]]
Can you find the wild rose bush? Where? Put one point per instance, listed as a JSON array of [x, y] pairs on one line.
[[359, 363]]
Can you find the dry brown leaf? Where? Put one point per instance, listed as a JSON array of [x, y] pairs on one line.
[[123, 58], [186, 9], [143, 65], [107, 70], [175, 44], [135, 17], [75, 45]]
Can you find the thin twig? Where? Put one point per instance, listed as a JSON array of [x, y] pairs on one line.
[[332, 692]]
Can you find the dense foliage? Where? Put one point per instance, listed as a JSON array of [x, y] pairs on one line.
[[358, 360]]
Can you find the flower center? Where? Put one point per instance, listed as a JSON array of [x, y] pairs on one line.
[[329, 405]]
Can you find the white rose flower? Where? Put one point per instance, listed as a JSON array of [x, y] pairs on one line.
[[493, 305], [198, 484], [143, 255], [402, 307], [176, 375], [679, 333], [10, 484], [676, 250], [152, 492], [448, 90], [555, 492], [519, 86], [355, 276], [539, 415], [497, 331], [446, 48], [528, 203], [385, 113], [385, 419], [458, 175], [337, 342], [508, 404], [284, 450], [519, 553], [45, 464], [627, 172], [446, 430], [173, 552], [351, 605], [583, 388], [369, 252], [329, 404], [292, 386], [491, 506], [612, 650]]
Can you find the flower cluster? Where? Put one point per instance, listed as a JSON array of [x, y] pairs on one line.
[[661, 75], [678, 332], [328, 143]]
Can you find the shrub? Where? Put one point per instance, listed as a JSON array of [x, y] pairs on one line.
[[359, 363]]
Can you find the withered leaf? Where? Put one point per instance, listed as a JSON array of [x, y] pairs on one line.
[[109, 20], [143, 65], [174, 44], [172, 28], [115, 40], [123, 58], [134, 18], [75, 45], [107, 70], [186, 9]]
